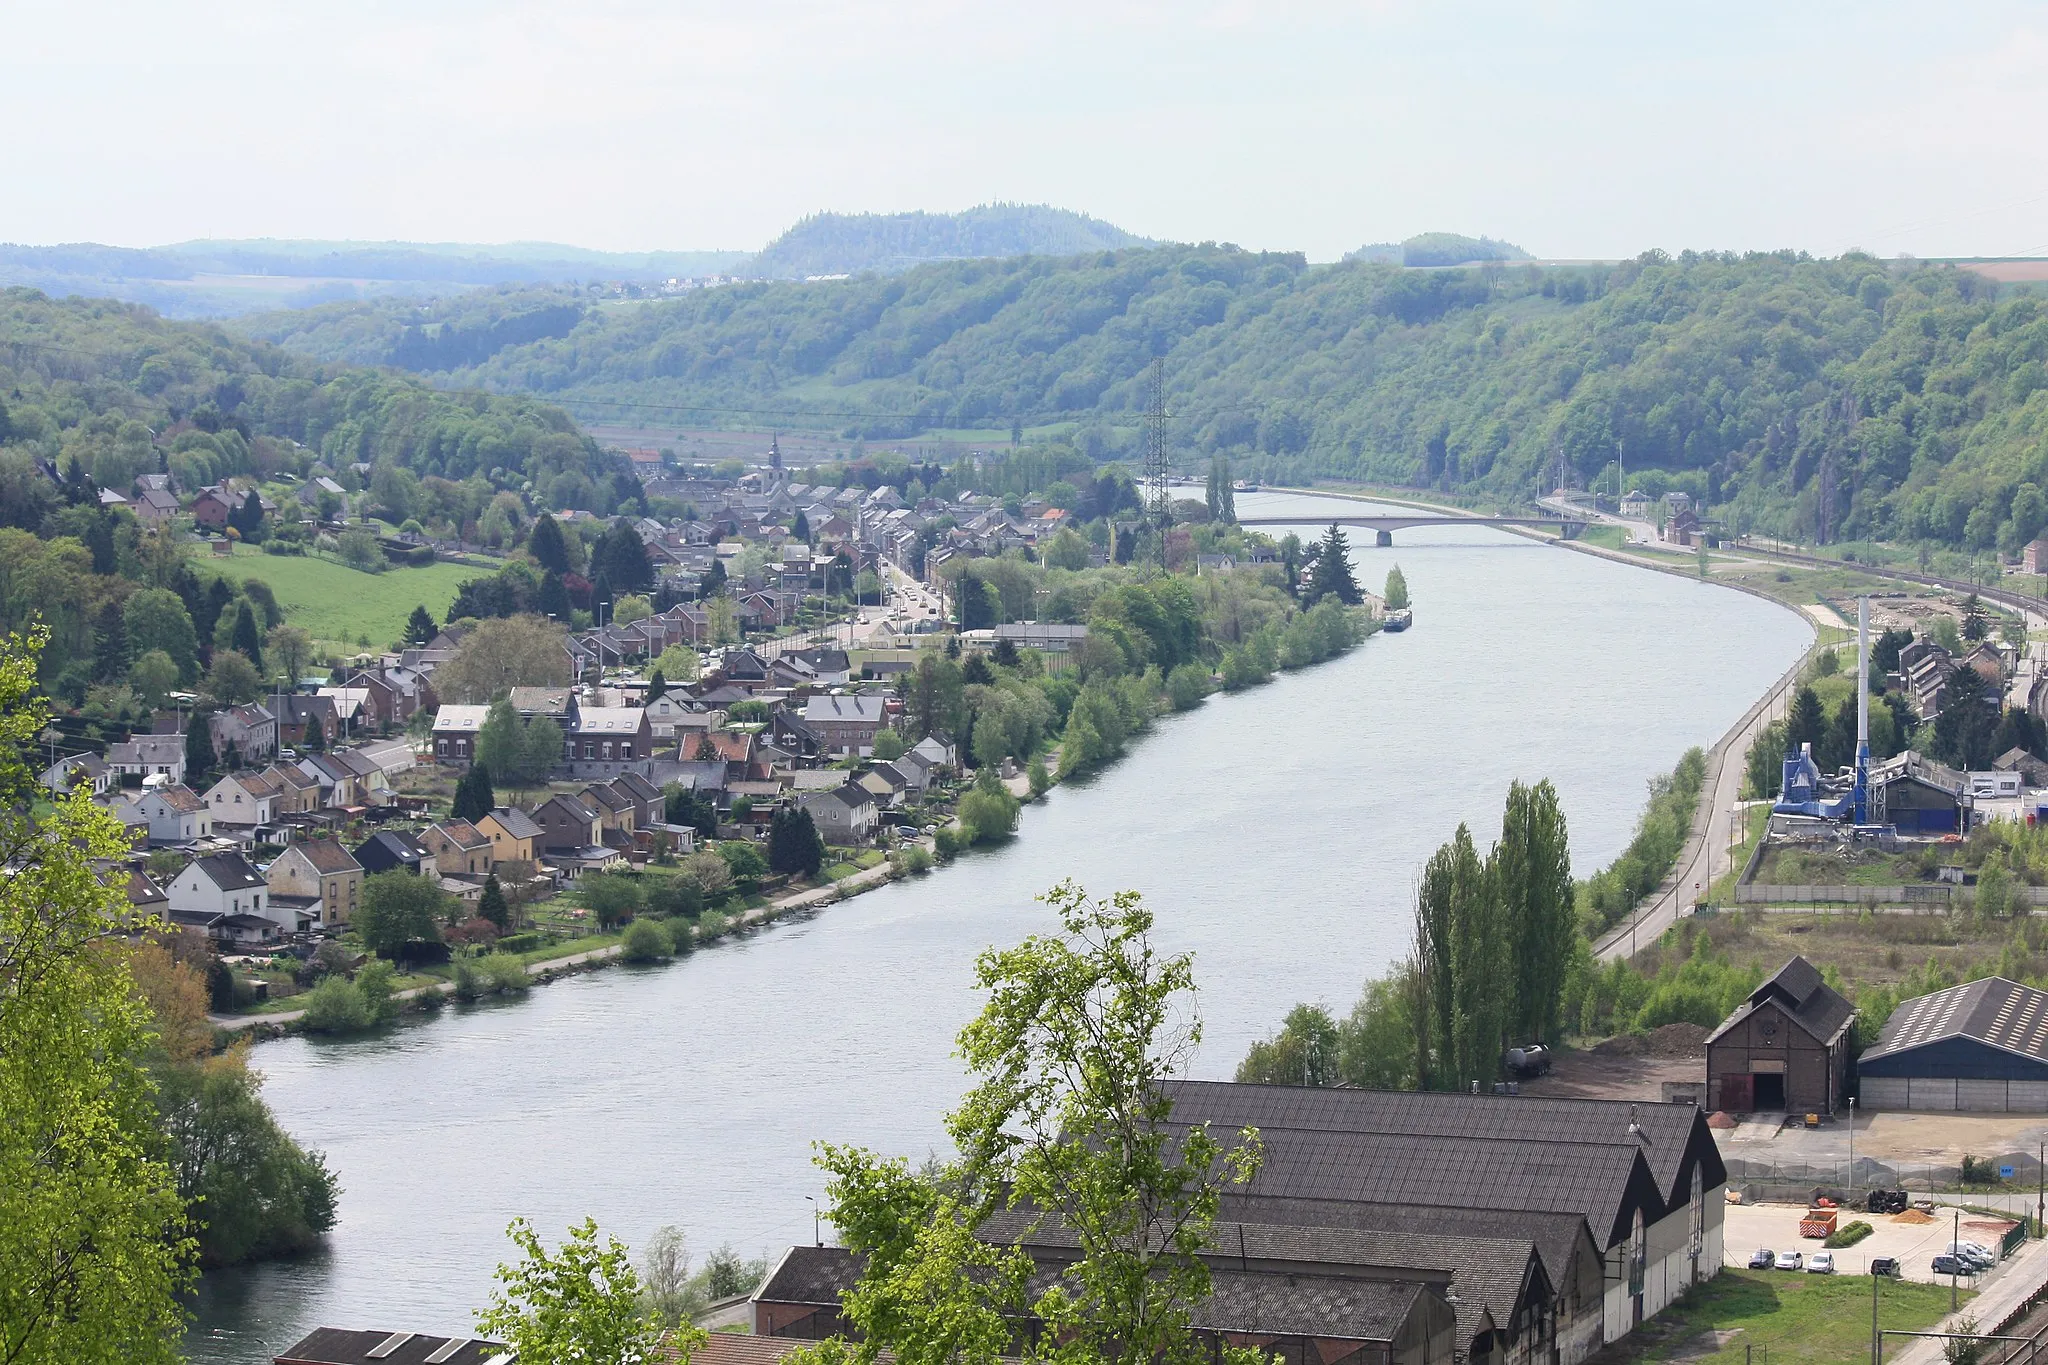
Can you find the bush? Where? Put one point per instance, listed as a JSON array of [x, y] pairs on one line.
[[712, 925], [506, 973], [468, 980], [336, 1006], [682, 933], [1848, 1235], [951, 839], [911, 858], [522, 943], [1186, 686], [645, 941], [674, 896], [612, 897]]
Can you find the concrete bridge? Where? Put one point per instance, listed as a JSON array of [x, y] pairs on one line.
[[1384, 524]]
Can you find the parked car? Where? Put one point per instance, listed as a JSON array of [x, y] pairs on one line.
[[1821, 1263], [1887, 1266], [1763, 1258], [906, 832], [1791, 1260], [1970, 1254], [1952, 1265]]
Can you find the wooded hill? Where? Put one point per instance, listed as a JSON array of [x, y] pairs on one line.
[[120, 390], [848, 243], [1911, 392]]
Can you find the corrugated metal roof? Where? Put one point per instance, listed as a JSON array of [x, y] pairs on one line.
[[2001, 1013]]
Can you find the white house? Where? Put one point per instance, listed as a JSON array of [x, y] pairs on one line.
[[80, 770], [225, 884], [244, 798], [845, 815], [146, 756], [176, 814]]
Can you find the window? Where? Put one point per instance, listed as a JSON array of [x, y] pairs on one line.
[[625, 751]]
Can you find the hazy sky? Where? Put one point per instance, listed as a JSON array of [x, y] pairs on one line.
[[1573, 129]]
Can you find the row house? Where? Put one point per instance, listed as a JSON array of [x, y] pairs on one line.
[[604, 741], [245, 799], [321, 873], [300, 717], [514, 836], [176, 814], [459, 849]]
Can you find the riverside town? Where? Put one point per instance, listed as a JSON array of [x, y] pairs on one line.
[[1244, 782]]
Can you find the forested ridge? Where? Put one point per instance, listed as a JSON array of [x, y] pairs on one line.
[[1910, 391], [120, 391]]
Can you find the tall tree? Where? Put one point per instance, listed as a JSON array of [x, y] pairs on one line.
[[626, 563], [794, 845], [545, 544], [291, 649], [247, 638], [498, 740], [420, 627], [1397, 589], [200, 759], [93, 1247], [473, 795], [1331, 574], [1533, 880], [1805, 721], [491, 904], [1480, 970], [579, 1304]]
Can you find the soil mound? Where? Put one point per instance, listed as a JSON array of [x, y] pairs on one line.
[[1672, 1042]]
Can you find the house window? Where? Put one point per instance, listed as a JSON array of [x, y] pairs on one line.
[[590, 748], [625, 751], [607, 748]]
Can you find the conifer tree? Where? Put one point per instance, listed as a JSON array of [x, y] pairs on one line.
[[247, 638], [1331, 576], [199, 755], [420, 627], [546, 545], [473, 795], [491, 905]]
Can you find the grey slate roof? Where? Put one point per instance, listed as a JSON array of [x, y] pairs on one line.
[[1797, 988], [229, 871], [1552, 1234], [1996, 1012], [338, 1346], [1497, 1151]]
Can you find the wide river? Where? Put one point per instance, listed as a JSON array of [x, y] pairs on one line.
[[1277, 834]]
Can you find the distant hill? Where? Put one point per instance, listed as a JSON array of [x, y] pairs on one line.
[[204, 278], [847, 244], [1438, 249]]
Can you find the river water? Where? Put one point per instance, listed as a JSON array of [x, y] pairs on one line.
[[1276, 833]]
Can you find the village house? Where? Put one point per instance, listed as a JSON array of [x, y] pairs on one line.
[[390, 850], [320, 871], [211, 507], [246, 799], [845, 724], [223, 884], [297, 793], [460, 849], [604, 741], [244, 735], [176, 814], [454, 733], [845, 815], [567, 824], [149, 755], [513, 835], [300, 717], [80, 770]]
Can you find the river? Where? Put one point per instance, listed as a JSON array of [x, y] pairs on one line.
[[1277, 834]]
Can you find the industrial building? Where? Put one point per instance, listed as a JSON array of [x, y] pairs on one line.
[[1784, 1048], [1981, 1047], [1408, 1228]]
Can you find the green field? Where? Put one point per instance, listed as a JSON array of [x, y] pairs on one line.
[[1813, 1319], [339, 605]]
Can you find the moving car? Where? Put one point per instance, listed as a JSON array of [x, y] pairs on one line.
[[1791, 1260], [1763, 1258], [1821, 1263]]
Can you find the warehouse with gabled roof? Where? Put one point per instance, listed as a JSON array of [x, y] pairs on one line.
[[1980, 1047]]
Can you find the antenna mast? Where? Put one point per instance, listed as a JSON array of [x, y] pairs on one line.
[[1157, 497]]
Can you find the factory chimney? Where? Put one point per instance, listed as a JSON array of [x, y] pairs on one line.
[[1862, 793]]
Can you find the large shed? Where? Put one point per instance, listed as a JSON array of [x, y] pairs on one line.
[[1786, 1047], [1982, 1046]]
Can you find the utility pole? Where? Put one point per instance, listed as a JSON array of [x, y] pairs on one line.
[[1954, 1266], [1852, 1149], [1156, 491], [1876, 1340]]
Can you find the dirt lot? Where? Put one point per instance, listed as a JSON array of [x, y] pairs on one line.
[[1628, 1068], [1914, 1244]]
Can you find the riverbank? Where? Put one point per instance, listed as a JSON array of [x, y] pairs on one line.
[[1116, 711]]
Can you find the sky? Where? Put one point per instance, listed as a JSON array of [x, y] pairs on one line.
[[1575, 130]]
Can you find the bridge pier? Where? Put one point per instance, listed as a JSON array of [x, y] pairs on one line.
[[1383, 539]]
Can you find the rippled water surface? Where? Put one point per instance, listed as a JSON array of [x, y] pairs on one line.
[[1276, 832]]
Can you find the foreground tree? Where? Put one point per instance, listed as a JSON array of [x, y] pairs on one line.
[[93, 1251], [1069, 1122], [579, 1304]]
